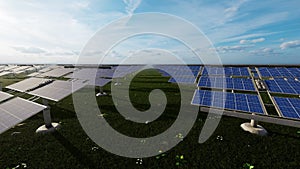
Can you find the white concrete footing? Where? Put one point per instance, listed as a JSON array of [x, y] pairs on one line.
[[101, 94], [254, 129], [43, 129]]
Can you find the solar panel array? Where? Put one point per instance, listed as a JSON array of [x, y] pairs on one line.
[[182, 74], [101, 82], [20, 69], [106, 73], [122, 71], [58, 89], [231, 101], [33, 74], [4, 96], [226, 83], [5, 73], [279, 72], [288, 86], [28, 84], [57, 72], [83, 74], [17, 110], [289, 107], [227, 71]]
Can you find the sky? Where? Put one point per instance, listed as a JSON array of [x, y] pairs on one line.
[[241, 31]]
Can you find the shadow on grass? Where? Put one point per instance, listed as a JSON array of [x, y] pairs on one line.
[[81, 157], [274, 133]]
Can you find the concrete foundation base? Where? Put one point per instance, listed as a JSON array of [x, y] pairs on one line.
[[43, 129], [101, 94], [257, 129]]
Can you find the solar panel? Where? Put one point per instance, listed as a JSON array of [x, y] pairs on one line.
[[279, 72], [289, 107], [58, 89], [10, 67], [178, 70], [101, 82], [90, 73], [232, 101], [28, 84], [226, 83], [106, 73], [122, 71], [288, 86], [4, 96], [17, 110], [227, 71], [33, 74], [183, 80], [57, 72], [5, 73], [83, 74], [20, 69]]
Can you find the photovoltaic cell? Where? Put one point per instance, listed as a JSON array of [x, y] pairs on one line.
[[57, 72], [101, 82], [183, 80], [225, 71], [17, 110], [4, 96], [83, 74], [288, 86], [231, 101], [28, 84], [5, 73], [178, 70], [289, 107], [279, 72], [58, 89], [33, 74], [226, 83]]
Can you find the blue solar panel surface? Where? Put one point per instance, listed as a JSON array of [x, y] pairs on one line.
[[289, 86], [226, 83], [231, 101], [227, 71], [184, 80], [180, 73], [179, 70], [289, 107], [279, 72]]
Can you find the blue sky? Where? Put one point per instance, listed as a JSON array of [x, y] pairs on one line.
[[242, 31]]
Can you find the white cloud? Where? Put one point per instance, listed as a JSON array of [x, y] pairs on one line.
[[132, 5], [290, 44], [80, 5], [30, 50], [232, 10], [267, 51], [258, 40], [248, 36], [244, 41], [236, 48]]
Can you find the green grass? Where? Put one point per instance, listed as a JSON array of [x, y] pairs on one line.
[[70, 147]]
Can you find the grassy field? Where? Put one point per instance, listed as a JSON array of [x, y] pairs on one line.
[[69, 147]]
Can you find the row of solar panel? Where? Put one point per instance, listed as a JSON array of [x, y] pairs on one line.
[[179, 74], [47, 88], [179, 71], [226, 100], [279, 72], [227, 83], [289, 107], [16, 110], [225, 71], [288, 86]]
